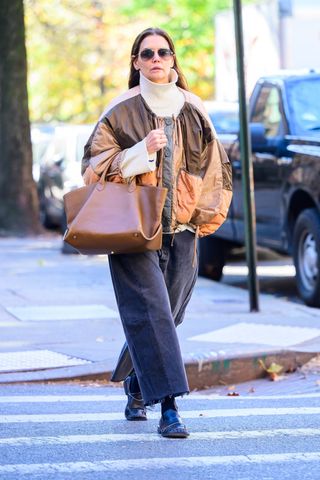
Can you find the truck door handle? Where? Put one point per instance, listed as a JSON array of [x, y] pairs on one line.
[[284, 161]]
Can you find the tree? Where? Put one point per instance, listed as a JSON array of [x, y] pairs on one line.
[[191, 25], [18, 193], [79, 50]]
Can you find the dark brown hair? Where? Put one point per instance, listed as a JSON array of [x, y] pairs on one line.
[[135, 75]]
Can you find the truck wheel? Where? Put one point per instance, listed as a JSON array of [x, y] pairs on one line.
[[306, 256], [212, 257]]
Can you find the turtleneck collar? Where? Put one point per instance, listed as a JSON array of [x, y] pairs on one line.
[[164, 99]]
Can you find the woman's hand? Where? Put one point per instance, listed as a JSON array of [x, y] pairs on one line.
[[155, 140], [90, 176]]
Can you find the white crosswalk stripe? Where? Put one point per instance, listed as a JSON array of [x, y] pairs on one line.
[[153, 437], [157, 463], [99, 417], [122, 460], [115, 398]]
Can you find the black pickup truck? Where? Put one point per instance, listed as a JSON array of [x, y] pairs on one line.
[[284, 116]]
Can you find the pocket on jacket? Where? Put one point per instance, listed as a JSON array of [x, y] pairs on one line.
[[189, 188]]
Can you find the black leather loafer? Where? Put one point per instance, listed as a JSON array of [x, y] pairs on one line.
[[135, 409], [171, 426]]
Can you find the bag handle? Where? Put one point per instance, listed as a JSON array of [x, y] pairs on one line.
[[153, 236]]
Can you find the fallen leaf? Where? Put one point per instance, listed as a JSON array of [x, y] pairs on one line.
[[262, 364], [231, 387], [233, 394], [274, 368], [274, 377]]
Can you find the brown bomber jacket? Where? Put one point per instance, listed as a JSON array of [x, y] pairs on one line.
[[199, 175]]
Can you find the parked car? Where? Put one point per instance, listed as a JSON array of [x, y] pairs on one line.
[[224, 116], [41, 135], [60, 171], [284, 120]]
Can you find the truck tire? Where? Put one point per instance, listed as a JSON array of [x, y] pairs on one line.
[[306, 256], [212, 257]]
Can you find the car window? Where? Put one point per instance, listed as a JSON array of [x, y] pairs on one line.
[[225, 122], [57, 149], [39, 148], [267, 111], [40, 143], [304, 103]]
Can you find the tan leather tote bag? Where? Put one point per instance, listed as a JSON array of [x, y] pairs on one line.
[[114, 218]]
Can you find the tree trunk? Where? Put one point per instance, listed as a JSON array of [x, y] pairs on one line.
[[19, 209]]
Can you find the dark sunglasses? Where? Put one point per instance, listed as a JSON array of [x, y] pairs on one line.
[[148, 53]]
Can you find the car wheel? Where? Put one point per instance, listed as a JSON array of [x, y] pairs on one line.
[[212, 257], [306, 255], [45, 219]]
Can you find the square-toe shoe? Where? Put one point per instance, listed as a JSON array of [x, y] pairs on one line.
[[171, 426], [135, 409]]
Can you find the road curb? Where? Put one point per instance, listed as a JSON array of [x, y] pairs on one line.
[[201, 374], [230, 371]]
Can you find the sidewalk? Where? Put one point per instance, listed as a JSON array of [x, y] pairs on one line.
[[58, 321]]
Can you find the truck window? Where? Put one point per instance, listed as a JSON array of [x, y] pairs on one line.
[[267, 111], [304, 104]]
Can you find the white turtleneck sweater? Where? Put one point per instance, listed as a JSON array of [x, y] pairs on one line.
[[165, 100]]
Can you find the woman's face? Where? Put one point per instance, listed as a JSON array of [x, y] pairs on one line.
[[157, 68]]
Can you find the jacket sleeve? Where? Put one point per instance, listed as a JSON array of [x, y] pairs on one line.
[[137, 160], [103, 153], [216, 174], [216, 192]]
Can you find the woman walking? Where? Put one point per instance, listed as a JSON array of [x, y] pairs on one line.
[[159, 133]]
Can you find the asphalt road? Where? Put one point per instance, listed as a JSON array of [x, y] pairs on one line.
[[78, 432], [276, 274]]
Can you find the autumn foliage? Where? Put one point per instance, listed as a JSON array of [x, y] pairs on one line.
[[78, 50]]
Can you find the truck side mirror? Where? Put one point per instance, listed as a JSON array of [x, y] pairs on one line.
[[258, 137]]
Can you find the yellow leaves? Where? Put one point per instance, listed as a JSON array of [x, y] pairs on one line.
[[67, 46], [78, 51], [273, 370]]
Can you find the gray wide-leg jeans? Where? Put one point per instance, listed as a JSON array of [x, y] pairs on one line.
[[152, 291]]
